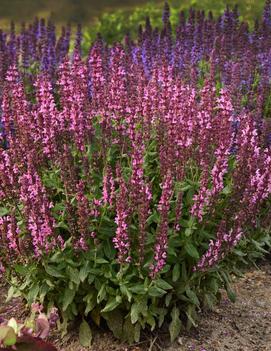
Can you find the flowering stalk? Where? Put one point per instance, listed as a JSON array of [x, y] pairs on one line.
[[160, 249], [39, 220], [121, 240]]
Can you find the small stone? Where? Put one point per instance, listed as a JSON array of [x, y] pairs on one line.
[[260, 303], [180, 341]]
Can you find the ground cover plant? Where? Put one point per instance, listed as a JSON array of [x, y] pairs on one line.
[[30, 334], [129, 177]]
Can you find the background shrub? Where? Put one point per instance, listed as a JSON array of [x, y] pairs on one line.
[[113, 26]]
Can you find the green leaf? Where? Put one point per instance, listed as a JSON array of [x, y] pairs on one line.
[[112, 304], [49, 283], [239, 253], [138, 289], [192, 222], [62, 225], [91, 303], [176, 272], [227, 280], [96, 316], [70, 262], [156, 292], [214, 285], [168, 299], [83, 273], [192, 296], [191, 250], [259, 246], [52, 271], [101, 294], [184, 271], [44, 289], [151, 321], [109, 250], [85, 334], [190, 315], [160, 283], [188, 232], [11, 292], [231, 294], [33, 293], [7, 336], [68, 298], [189, 196], [210, 300], [125, 291], [3, 211], [128, 331], [114, 321], [101, 260], [161, 316], [107, 231], [22, 270], [56, 258], [184, 223], [175, 324], [135, 311], [153, 218], [63, 327], [139, 307], [74, 275], [182, 186], [91, 279], [166, 268], [227, 190], [137, 332]]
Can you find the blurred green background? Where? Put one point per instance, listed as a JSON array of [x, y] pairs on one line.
[[83, 11], [87, 11], [114, 18]]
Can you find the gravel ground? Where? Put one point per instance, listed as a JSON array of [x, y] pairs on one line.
[[241, 326]]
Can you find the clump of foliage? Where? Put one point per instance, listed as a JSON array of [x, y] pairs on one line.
[[133, 182]]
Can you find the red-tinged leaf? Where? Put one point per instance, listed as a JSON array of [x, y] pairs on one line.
[[42, 326], [30, 343]]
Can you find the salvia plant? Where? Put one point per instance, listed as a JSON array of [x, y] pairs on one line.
[[129, 177]]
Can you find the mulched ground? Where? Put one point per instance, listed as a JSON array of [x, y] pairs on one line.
[[241, 326]]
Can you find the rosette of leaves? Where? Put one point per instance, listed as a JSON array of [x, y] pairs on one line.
[[27, 336]]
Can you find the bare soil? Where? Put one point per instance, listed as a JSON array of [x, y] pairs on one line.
[[241, 326]]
